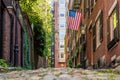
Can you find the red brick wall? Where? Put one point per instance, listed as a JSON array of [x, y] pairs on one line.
[[86, 21], [6, 35], [56, 34], [19, 43], [115, 50], [11, 11], [57, 64], [102, 49]]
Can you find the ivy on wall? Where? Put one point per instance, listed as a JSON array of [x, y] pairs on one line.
[[39, 13], [27, 64]]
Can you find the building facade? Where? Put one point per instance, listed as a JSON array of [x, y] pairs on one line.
[[12, 31], [60, 30], [97, 43]]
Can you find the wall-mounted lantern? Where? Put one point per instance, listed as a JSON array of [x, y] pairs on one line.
[[82, 29]]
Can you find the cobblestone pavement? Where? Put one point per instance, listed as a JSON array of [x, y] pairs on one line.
[[61, 74]]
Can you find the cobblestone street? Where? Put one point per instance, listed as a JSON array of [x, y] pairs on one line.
[[62, 74]]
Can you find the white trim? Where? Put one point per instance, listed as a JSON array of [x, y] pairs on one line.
[[113, 57], [112, 7], [9, 6], [98, 15], [85, 26], [89, 24]]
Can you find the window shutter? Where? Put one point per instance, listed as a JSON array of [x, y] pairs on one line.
[[101, 27], [85, 8], [1, 29], [89, 11], [94, 38], [108, 31], [11, 36], [92, 5]]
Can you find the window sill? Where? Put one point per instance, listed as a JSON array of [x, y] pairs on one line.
[[98, 46]]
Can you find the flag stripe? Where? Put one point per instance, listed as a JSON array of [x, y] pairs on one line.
[[74, 20]]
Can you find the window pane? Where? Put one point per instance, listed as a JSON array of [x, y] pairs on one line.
[[111, 27], [62, 1], [94, 38], [62, 55], [61, 15], [101, 26], [113, 32], [98, 32], [62, 34], [62, 25]]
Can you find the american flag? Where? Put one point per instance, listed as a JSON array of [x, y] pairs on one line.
[[74, 19]]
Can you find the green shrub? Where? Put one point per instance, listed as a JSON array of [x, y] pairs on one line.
[[3, 63], [78, 65], [69, 63], [18, 68]]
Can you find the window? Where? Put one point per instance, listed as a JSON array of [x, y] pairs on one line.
[[85, 7], [62, 1], [95, 2], [88, 7], [62, 25], [92, 5], [61, 44], [94, 38], [62, 55], [99, 30], [62, 14], [62, 34], [113, 27]]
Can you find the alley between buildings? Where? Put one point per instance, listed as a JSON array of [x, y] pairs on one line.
[[62, 74]]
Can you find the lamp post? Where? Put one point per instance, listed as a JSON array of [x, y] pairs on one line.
[[16, 38], [82, 40], [82, 29]]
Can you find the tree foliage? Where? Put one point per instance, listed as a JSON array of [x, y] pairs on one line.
[[39, 12]]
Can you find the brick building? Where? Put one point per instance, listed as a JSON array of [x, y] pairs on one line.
[[60, 10], [98, 46], [12, 33]]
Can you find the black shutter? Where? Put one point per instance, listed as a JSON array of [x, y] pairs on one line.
[[101, 27], [89, 11], [108, 31], [11, 36], [22, 52], [1, 28], [85, 8]]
